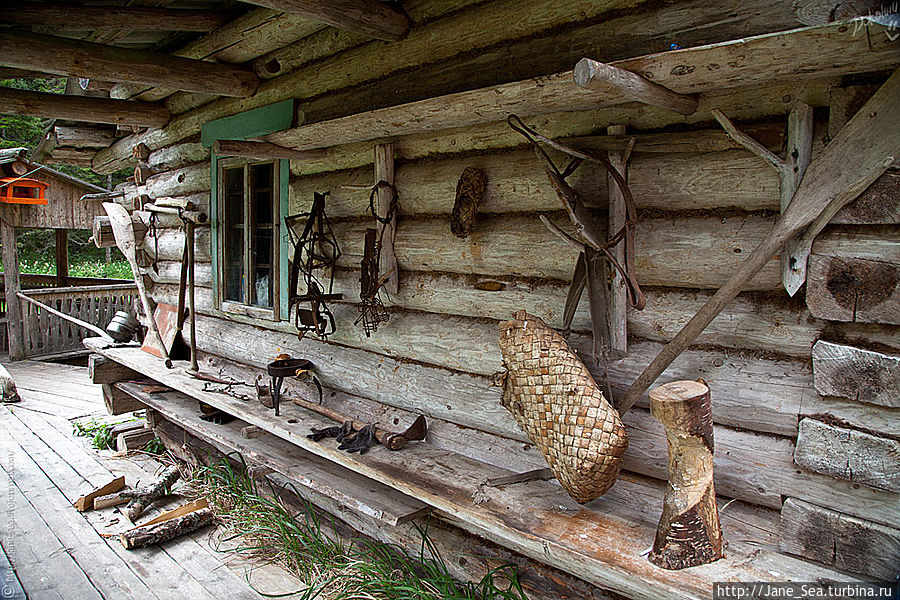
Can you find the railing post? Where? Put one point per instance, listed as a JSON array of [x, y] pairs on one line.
[[11, 283]]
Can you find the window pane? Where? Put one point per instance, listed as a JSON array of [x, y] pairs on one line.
[[233, 226], [262, 238]]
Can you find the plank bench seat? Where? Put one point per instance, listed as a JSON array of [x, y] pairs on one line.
[[604, 542]]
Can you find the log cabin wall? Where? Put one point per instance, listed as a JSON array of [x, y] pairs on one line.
[[784, 441]]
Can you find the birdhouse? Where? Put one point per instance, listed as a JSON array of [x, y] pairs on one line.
[[14, 190]]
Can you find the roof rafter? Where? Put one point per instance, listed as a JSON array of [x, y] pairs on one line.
[[112, 17], [380, 20], [82, 108]]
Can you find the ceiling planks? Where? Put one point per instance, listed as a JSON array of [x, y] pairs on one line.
[[381, 20]]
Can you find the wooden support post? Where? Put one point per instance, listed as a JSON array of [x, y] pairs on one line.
[[81, 108], [689, 533], [77, 58], [617, 307], [608, 79], [118, 402], [264, 150], [62, 257], [14, 335], [385, 207]]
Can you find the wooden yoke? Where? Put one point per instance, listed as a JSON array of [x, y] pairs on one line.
[[689, 533]]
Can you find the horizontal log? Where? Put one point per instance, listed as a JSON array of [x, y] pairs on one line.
[[848, 454], [238, 41], [836, 539], [82, 108], [84, 137], [104, 370], [102, 232], [76, 58], [828, 47], [66, 16], [516, 183], [853, 289], [369, 17], [177, 156], [118, 402], [607, 79], [262, 150], [855, 373], [437, 40], [751, 466], [78, 157], [184, 181], [168, 245], [690, 252]]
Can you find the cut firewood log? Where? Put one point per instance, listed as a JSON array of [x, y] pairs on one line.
[[145, 496], [161, 531], [689, 533], [87, 502], [133, 440], [114, 499]]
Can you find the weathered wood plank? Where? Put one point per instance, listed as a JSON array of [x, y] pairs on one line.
[[853, 289], [848, 454], [836, 539], [878, 205], [855, 373], [102, 370], [324, 478], [117, 402]]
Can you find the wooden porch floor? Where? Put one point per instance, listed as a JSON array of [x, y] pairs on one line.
[[48, 550]]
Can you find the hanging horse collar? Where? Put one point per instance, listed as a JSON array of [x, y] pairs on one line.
[[315, 249]]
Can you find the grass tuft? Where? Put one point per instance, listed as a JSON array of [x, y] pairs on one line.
[[333, 567]]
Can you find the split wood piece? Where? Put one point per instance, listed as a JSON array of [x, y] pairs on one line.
[[836, 539], [110, 500], [69, 318], [103, 370], [82, 108], [617, 301], [390, 440], [77, 58], [860, 153], [264, 150], [14, 331], [145, 496], [385, 208], [133, 440], [86, 502], [127, 426], [157, 533], [117, 402], [8, 391], [112, 17], [611, 80], [121, 224], [469, 193], [855, 373], [689, 533], [380, 20], [790, 173]]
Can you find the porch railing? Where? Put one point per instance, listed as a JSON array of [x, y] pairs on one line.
[[45, 333]]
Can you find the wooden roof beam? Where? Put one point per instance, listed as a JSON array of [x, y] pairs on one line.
[[264, 150], [111, 17], [381, 20], [82, 108], [75, 58]]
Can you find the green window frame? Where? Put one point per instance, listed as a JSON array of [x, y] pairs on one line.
[[247, 125]]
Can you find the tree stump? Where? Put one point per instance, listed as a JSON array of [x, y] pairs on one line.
[[689, 533]]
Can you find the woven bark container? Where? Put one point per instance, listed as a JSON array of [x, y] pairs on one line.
[[556, 402]]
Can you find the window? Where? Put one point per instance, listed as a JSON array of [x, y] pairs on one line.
[[248, 209]]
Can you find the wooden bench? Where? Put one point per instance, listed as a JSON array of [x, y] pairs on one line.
[[604, 542]]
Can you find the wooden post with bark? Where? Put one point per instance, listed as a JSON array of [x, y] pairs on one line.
[[689, 533], [62, 257], [386, 209], [11, 281], [617, 309]]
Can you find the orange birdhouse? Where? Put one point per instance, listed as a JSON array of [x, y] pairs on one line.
[[14, 190]]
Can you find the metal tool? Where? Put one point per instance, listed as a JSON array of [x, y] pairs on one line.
[[120, 221], [122, 326], [371, 309], [286, 367]]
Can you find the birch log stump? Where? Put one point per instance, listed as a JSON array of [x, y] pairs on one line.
[[689, 533], [158, 533]]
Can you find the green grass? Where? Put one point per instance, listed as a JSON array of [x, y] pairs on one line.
[[337, 568], [100, 434], [37, 254]]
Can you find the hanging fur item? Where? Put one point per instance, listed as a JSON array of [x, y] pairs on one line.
[[469, 192], [556, 402]]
